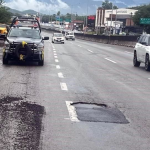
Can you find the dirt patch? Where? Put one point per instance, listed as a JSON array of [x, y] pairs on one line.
[[20, 124]]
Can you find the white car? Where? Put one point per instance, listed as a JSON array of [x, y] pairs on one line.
[[142, 52], [58, 37], [69, 35]]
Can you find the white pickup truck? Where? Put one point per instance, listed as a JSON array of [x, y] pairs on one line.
[[69, 35]]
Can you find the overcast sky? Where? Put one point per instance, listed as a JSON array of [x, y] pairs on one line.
[[78, 6]]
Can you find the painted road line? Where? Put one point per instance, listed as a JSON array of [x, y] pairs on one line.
[[72, 111], [55, 54], [60, 75], [64, 86], [54, 51], [57, 67], [79, 45], [128, 52], [56, 60], [55, 57], [90, 51], [110, 60]]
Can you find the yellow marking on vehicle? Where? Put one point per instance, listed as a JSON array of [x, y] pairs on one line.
[[23, 43], [42, 55], [3, 50], [21, 57]]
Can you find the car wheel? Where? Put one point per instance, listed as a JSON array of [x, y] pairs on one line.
[[147, 63], [135, 62], [63, 42], [5, 61], [41, 62]]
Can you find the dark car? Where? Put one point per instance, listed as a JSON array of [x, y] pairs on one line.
[[24, 43]]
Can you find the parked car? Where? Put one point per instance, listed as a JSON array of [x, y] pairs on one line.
[[142, 52], [58, 37]]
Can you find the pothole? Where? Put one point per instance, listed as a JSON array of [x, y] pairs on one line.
[[92, 112], [21, 124]]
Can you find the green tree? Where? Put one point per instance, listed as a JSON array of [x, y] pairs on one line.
[[58, 13], [143, 12], [2, 2], [5, 15], [108, 5]]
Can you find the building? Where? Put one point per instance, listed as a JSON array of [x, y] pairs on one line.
[[115, 18]]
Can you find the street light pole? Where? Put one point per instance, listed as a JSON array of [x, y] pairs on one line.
[[87, 13], [131, 18]]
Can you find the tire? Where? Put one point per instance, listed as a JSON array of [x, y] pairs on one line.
[[63, 42], [135, 62], [52, 42], [41, 62], [147, 63], [66, 39], [5, 61]]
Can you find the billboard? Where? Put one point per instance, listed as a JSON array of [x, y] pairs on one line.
[[91, 21]]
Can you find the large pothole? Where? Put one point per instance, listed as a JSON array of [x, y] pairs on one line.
[[20, 124], [92, 112]]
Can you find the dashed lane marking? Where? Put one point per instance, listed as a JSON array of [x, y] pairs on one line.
[[64, 86], [55, 54], [110, 60], [55, 57], [57, 67], [60, 75], [54, 51], [56, 60], [79, 45], [90, 51], [72, 111]]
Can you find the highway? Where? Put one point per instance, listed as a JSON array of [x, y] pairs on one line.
[[77, 71]]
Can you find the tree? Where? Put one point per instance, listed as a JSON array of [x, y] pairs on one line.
[[108, 5], [2, 2], [143, 12], [5, 15], [58, 13]]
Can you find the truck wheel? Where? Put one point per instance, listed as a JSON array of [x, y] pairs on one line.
[[5, 61], [41, 62]]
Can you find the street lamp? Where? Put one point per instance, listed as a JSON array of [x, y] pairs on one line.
[[131, 18]]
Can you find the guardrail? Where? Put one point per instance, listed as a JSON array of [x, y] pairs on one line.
[[128, 41]]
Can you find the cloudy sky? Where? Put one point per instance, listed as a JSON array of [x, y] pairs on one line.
[[74, 6]]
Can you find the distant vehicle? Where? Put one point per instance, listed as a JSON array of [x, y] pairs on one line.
[[142, 52], [3, 30], [24, 41], [58, 37], [69, 35]]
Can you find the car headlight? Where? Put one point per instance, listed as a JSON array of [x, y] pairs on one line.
[[40, 48], [6, 46]]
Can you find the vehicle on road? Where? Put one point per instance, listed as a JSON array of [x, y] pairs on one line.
[[142, 52], [3, 30], [69, 35], [58, 37], [24, 42]]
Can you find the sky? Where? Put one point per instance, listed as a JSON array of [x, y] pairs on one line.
[[81, 7]]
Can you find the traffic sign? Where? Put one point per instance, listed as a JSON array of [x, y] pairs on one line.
[[144, 20]]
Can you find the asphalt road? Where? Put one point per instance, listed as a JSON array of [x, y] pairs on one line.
[[77, 71]]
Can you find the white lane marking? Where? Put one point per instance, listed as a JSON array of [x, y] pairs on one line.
[[57, 67], [54, 51], [56, 60], [55, 57], [148, 78], [64, 86], [60, 75], [55, 54], [110, 60], [72, 111], [128, 52], [90, 51], [79, 45]]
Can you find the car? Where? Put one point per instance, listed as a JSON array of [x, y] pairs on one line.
[[3, 30], [142, 52], [69, 35], [24, 43], [58, 37]]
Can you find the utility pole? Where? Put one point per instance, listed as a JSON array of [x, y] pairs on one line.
[[111, 18], [87, 13]]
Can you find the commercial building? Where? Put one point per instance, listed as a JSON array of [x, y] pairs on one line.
[[115, 18]]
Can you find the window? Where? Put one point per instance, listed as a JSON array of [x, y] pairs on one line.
[[140, 39], [145, 40], [149, 41]]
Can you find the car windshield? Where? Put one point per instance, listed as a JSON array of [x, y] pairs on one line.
[[58, 35], [2, 26], [70, 33], [26, 33]]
